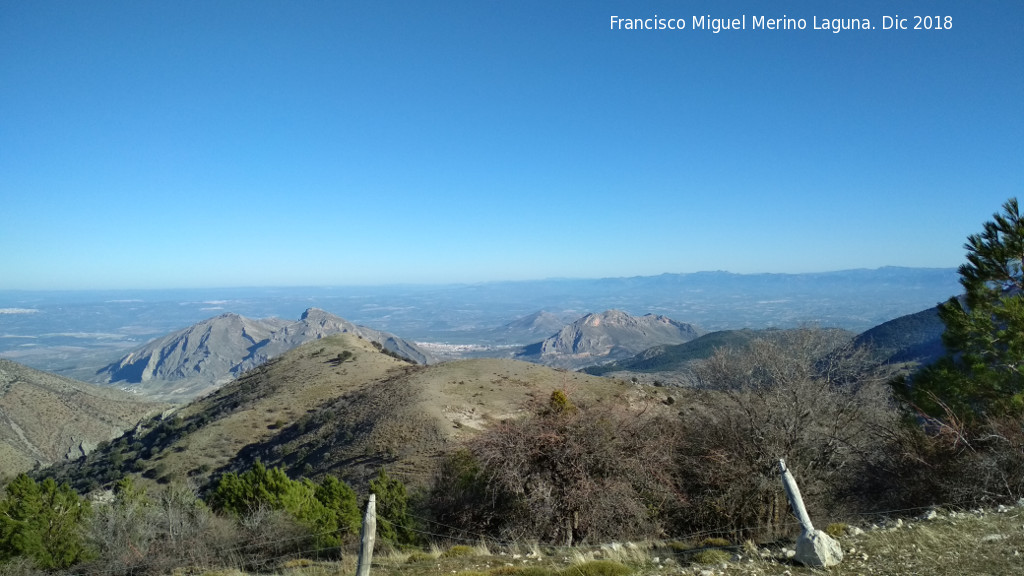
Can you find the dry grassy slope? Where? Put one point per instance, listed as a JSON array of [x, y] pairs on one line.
[[409, 420], [254, 408], [311, 414], [47, 418]]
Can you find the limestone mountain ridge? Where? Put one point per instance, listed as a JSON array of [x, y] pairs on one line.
[[606, 336], [201, 357]]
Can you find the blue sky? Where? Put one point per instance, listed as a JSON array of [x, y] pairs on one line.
[[201, 144]]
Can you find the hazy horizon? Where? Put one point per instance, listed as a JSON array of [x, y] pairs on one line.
[[439, 284]]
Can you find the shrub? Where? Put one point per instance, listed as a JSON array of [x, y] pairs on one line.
[[680, 546], [560, 403], [457, 499], [268, 535], [142, 534], [523, 571], [949, 462], [419, 556], [340, 499], [21, 566], [597, 568], [458, 551], [343, 356], [394, 524], [713, 556], [565, 477], [325, 510], [836, 529]]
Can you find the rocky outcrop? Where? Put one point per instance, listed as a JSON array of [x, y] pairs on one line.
[[817, 549]]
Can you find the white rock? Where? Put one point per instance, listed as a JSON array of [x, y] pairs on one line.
[[818, 549]]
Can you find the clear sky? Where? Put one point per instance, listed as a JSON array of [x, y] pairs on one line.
[[164, 144]]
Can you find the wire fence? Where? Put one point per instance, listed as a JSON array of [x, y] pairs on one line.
[[253, 556]]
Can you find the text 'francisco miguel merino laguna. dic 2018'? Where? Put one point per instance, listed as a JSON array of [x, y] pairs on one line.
[[745, 22]]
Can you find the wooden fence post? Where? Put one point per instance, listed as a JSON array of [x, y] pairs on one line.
[[367, 536]]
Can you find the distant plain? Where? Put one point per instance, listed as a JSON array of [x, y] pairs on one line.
[[76, 333]]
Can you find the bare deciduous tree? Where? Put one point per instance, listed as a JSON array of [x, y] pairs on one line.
[[807, 395]]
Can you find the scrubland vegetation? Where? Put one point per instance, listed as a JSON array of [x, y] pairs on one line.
[[693, 481]]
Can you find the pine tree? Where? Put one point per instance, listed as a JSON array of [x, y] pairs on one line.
[[259, 486], [982, 373], [340, 499], [19, 515], [42, 522], [396, 525]]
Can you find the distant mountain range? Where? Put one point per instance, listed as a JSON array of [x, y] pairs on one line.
[[78, 333], [194, 360], [46, 418]]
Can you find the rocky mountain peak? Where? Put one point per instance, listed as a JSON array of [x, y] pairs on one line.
[[313, 314], [605, 336]]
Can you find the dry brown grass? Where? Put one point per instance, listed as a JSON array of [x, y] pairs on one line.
[[950, 545], [46, 417]]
